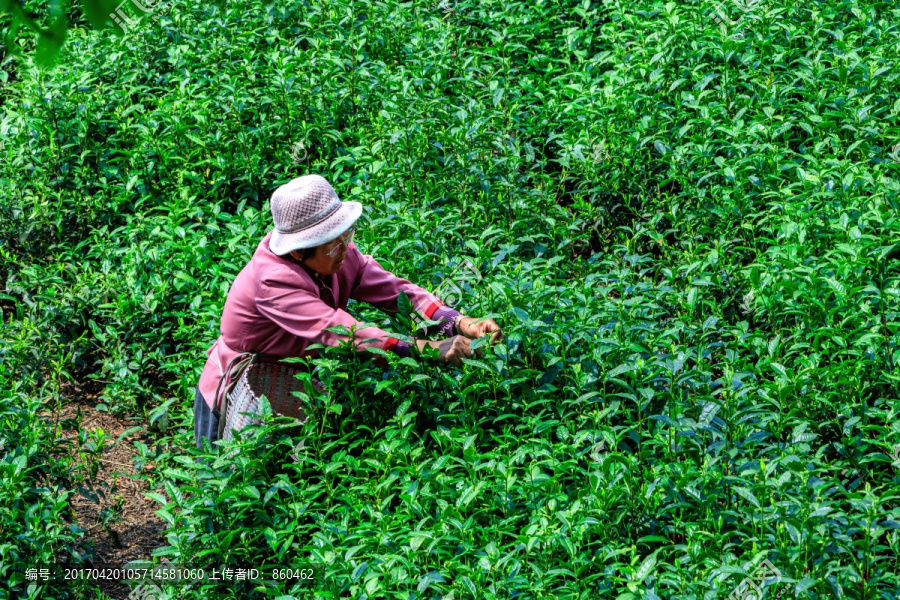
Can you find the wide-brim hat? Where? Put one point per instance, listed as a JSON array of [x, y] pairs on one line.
[[307, 212]]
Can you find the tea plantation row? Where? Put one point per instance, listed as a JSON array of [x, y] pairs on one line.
[[689, 234]]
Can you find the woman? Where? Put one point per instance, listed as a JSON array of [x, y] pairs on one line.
[[297, 285]]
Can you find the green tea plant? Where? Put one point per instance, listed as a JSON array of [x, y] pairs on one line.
[[37, 528], [686, 226]]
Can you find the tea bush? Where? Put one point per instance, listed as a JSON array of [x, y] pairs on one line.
[[36, 525], [688, 233]]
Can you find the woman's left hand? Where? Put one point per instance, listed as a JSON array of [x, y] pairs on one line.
[[473, 328]]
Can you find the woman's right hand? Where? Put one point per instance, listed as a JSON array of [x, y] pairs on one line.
[[452, 349]]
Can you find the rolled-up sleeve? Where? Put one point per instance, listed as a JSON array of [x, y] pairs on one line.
[[382, 289], [301, 312]]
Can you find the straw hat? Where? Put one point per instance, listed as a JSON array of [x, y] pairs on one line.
[[307, 212]]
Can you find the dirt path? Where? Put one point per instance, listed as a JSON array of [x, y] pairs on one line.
[[132, 531]]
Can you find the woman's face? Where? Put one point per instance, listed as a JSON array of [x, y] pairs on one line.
[[320, 262]]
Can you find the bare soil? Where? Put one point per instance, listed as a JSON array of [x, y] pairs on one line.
[[134, 531]]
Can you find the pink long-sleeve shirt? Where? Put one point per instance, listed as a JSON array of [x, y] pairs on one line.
[[278, 307]]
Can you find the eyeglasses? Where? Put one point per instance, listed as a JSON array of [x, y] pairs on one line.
[[331, 253]]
